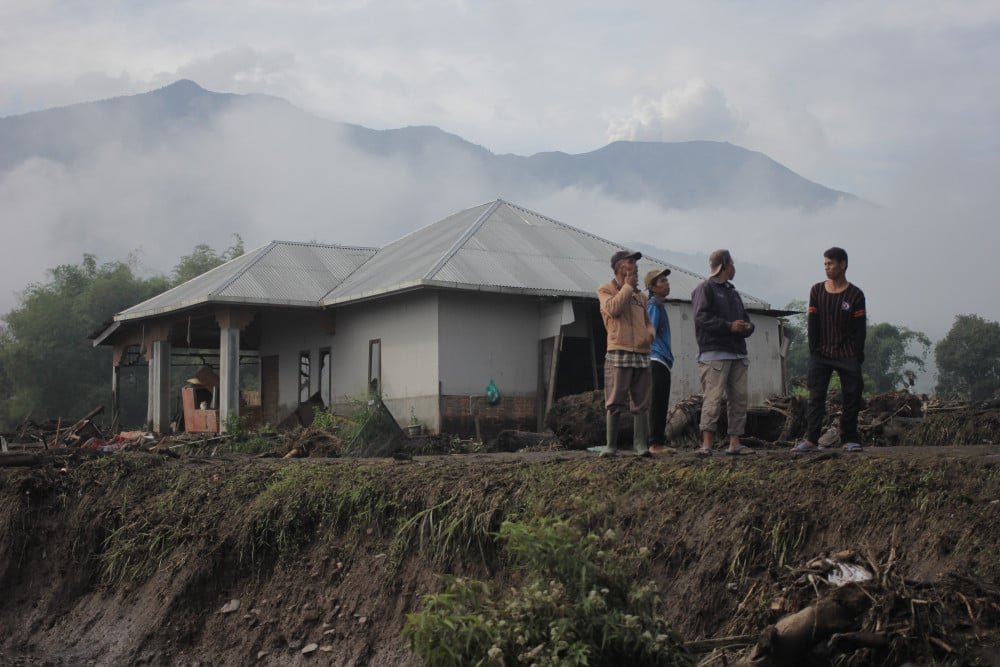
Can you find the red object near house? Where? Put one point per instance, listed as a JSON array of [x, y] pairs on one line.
[[196, 418]]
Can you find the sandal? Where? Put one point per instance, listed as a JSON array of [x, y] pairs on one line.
[[704, 451], [804, 448], [739, 450]]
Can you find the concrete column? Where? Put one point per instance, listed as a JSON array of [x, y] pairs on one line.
[[229, 374], [231, 321], [118, 353], [116, 372], [160, 386], [150, 388]]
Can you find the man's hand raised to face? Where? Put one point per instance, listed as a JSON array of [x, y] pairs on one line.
[[632, 276]]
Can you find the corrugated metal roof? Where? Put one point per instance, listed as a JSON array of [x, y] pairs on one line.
[[502, 247], [279, 273], [496, 246], [407, 260]]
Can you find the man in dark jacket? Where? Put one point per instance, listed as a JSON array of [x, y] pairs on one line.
[[721, 326]]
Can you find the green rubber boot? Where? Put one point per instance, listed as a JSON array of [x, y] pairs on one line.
[[640, 439], [611, 440]]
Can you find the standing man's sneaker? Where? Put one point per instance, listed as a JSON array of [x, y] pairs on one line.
[[852, 447]]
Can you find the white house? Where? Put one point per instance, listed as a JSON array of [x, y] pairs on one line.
[[495, 292]]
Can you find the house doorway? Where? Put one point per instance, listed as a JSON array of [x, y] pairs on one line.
[[571, 362], [581, 359], [269, 388]]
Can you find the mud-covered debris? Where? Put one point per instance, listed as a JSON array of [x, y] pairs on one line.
[[309, 442], [514, 441], [892, 418], [846, 603], [578, 420]]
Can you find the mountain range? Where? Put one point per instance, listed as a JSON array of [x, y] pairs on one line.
[[682, 175]]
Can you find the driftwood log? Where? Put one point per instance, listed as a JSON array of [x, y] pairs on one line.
[[810, 635]]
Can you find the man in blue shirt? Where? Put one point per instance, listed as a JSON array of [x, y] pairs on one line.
[[661, 358]]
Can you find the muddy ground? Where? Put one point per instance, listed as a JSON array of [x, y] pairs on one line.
[[150, 558]]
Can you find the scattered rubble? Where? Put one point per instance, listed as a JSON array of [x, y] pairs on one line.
[[574, 422], [893, 418]]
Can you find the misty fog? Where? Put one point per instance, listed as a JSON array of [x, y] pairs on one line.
[[922, 256]]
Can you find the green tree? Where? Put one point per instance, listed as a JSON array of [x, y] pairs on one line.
[[894, 355], [968, 358], [797, 359], [51, 366], [48, 366], [203, 258]]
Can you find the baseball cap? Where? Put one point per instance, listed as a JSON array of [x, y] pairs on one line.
[[651, 276], [624, 254]]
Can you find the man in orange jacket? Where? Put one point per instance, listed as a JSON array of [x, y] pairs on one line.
[[626, 364]]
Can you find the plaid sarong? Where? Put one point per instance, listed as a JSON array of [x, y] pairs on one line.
[[626, 359]]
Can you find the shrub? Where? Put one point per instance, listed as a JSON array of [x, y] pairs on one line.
[[577, 606], [325, 420]]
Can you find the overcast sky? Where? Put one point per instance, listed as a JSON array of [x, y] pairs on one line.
[[897, 102]]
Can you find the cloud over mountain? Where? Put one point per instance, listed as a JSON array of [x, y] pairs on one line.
[[163, 171]]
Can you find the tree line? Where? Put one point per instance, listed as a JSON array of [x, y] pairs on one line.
[[49, 367], [967, 358]]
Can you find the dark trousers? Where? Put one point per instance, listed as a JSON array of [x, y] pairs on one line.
[[852, 383], [660, 401]]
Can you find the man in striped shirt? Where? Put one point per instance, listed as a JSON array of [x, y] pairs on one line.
[[837, 325]]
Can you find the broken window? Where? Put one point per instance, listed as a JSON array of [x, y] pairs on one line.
[[325, 376], [304, 372], [375, 366]]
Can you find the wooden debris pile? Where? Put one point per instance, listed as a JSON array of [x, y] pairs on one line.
[[848, 608], [306, 442], [56, 433], [958, 422]]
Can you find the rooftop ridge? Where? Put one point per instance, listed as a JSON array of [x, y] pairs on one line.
[[466, 235]]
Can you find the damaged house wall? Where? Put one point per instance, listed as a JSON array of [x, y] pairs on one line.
[[406, 325], [285, 334], [482, 337]]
